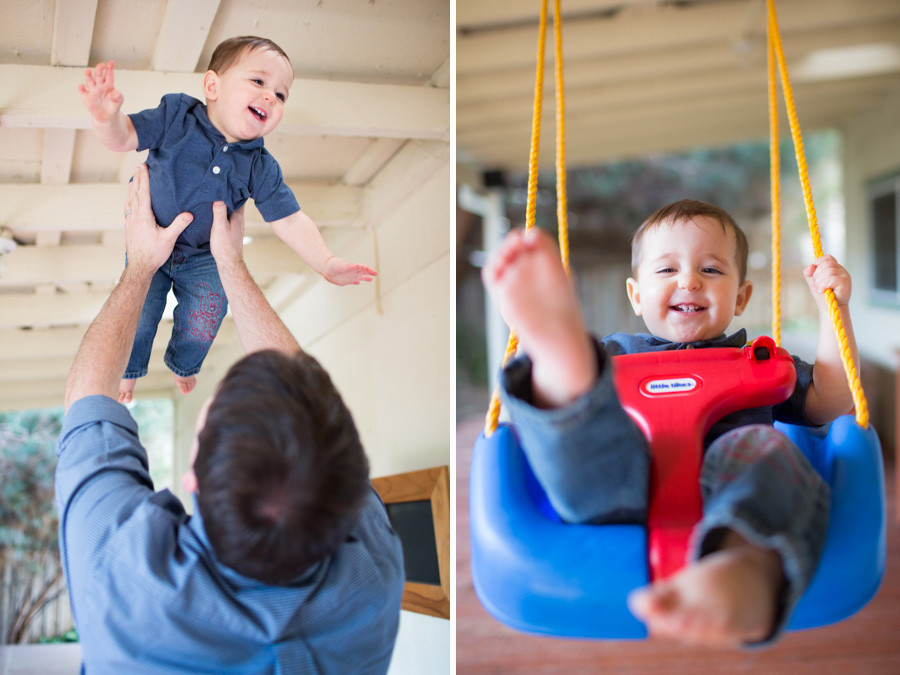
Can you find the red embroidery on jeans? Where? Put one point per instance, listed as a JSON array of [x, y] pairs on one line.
[[204, 320]]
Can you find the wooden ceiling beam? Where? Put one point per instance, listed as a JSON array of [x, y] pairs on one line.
[[99, 206], [47, 97], [682, 64], [103, 263], [637, 29]]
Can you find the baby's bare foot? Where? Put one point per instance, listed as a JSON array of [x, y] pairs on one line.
[[185, 384], [527, 281], [126, 390], [726, 598]]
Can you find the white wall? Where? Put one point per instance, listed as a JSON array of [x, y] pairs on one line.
[[872, 150], [388, 348]]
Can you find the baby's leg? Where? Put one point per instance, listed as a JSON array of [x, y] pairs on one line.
[[185, 384], [763, 529], [126, 390], [527, 281], [726, 598]]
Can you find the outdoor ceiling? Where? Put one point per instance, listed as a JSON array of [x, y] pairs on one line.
[[645, 76], [371, 76]]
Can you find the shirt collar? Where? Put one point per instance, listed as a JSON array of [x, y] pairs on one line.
[[195, 524], [210, 128], [739, 339]]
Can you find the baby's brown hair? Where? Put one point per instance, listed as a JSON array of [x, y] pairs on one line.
[[686, 210], [229, 51]]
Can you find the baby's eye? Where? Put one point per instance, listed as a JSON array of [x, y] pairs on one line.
[[257, 81], [711, 270], [666, 270], [280, 97]]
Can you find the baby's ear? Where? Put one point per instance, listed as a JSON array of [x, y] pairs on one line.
[[211, 85], [634, 295]]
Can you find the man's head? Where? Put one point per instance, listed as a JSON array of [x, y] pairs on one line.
[[689, 266], [280, 470], [246, 86]]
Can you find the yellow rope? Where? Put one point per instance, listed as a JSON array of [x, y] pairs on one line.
[[775, 173], [493, 413], [561, 201], [859, 398]]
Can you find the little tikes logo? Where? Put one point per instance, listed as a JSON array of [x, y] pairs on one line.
[[669, 385]]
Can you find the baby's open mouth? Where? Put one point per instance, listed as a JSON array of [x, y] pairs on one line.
[[687, 308], [259, 114]]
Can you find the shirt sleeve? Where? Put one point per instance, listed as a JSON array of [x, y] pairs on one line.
[[274, 199], [793, 411], [151, 124], [101, 477]]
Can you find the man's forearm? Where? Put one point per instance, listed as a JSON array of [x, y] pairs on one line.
[[257, 324], [103, 355]]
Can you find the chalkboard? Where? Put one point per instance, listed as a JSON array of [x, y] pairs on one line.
[[414, 524]]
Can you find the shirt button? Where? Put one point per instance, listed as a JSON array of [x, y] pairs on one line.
[[225, 149], [216, 169]]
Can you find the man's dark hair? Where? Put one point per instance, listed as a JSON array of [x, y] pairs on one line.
[[229, 51], [281, 473]]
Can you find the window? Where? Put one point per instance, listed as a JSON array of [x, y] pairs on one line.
[[883, 197]]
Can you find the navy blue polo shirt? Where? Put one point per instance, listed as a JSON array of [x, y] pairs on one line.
[[192, 165]]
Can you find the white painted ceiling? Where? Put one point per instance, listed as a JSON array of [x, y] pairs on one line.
[[645, 76]]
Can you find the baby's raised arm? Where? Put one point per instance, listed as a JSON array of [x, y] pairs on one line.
[[300, 233], [829, 395], [104, 102]]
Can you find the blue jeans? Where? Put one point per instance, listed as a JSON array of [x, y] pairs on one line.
[[198, 315], [594, 464]]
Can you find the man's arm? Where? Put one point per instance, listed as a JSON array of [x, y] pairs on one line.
[[257, 324], [103, 356]]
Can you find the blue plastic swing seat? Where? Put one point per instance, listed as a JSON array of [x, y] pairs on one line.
[[538, 575]]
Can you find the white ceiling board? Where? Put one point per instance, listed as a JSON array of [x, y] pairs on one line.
[[185, 29], [382, 41], [26, 31], [125, 31]]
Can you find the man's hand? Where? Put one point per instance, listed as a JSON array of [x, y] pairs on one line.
[[827, 273], [147, 244], [226, 239], [99, 93]]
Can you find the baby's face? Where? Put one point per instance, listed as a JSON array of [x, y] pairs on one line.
[[688, 285], [250, 95]]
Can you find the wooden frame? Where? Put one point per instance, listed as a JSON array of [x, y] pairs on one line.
[[434, 485]]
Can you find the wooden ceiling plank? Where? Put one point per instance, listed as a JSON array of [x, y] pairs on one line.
[[103, 263], [372, 161], [73, 30], [685, 63], [183, 34], [98, 206], [667, 27], [481, 14], [56, 158]]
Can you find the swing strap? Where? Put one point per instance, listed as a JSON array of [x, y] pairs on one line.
[[493, 414], [776, 55]]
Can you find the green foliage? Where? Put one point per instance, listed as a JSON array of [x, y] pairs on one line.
[[68, 636], [28, 520]]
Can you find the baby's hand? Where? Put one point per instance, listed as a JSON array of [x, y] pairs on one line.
[[826, 273], [99, 93], [342, 273]]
